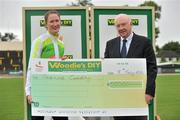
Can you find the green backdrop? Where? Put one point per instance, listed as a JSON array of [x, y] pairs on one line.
[[148, 11], [29, 12]]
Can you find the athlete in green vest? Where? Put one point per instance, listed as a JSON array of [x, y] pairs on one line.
[[47, 45]]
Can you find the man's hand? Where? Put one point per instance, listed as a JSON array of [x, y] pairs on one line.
[[148, 98], [29, 99]]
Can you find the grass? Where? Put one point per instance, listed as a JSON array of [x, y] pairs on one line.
[[167, 95], [11, 99]]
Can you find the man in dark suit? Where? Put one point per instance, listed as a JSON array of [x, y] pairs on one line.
[[130, 45]]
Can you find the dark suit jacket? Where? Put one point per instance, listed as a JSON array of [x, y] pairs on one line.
[[140, 47]]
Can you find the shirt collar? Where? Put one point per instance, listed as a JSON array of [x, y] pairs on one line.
[[129, 38], [55, 36]]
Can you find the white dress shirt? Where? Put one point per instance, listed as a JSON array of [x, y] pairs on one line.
[[128, 43]]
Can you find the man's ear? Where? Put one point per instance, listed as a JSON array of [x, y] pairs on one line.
[[131, 23]]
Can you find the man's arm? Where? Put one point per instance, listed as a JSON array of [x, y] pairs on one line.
[[151, 69]]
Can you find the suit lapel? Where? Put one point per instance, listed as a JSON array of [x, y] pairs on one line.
[[117, 48], [132, 47]]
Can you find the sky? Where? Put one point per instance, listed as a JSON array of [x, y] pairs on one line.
[[169, 23]]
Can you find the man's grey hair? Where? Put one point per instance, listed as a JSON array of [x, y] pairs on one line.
[[122, 15]]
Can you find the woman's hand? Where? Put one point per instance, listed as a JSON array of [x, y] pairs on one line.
[[29, 99], [64, 58]]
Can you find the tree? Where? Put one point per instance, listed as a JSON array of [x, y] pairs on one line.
[[157, 48], [8, 37], [81, 3], [172, 46], [157, 9]]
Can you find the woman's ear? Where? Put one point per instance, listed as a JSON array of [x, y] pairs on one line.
[[45, 25]]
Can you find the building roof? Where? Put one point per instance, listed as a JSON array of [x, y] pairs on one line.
[[169, 63], [13, 45], [168, 54]]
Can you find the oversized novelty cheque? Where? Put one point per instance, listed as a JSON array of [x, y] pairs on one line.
[[88, 87]]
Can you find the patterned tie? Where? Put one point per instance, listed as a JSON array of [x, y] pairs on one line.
[[124, 50]]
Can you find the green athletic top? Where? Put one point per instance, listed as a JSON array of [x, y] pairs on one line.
[[45, 46]]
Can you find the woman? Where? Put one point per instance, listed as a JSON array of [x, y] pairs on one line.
[[47, 45]]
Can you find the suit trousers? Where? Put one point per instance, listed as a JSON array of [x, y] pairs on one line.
[[130, 118]]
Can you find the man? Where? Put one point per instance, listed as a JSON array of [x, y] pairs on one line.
[[130, 45]]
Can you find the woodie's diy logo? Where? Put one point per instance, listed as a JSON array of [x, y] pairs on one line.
[[63, 23], [112, 21], [84, 66]]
